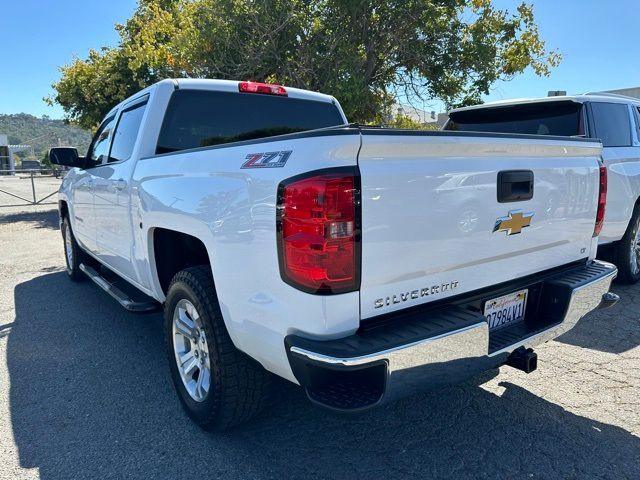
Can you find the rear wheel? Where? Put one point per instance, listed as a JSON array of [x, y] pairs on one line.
[[73, 254], [218, 386], [627, 251]]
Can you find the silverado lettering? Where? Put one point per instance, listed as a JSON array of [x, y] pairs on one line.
[[414, 294]]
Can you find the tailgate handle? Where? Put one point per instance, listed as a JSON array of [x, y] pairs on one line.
[[515, 185]]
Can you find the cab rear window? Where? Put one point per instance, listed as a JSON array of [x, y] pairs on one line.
[[200, 118], [548, 118]]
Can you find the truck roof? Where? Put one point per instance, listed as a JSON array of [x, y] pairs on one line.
[[225, 86], [582, 98], [232, 86]]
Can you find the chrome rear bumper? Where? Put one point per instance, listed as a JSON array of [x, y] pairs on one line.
[[378, 366]]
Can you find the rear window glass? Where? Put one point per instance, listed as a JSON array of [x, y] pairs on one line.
[[199, 118], [549, 118], [612, 124]]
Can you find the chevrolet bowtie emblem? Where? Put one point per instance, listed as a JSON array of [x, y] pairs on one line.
[[514, 222]]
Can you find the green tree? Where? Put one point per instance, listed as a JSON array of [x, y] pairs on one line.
[[403, 121], [42, 133], [46, 161], [364, 52]]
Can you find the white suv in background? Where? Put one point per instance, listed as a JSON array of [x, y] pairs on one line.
[[613, 119]]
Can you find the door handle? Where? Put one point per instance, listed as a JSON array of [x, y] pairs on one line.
[[515, 185], [119, 185]]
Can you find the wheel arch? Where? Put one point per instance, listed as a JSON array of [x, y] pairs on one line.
[[172, 251], [63, 209]]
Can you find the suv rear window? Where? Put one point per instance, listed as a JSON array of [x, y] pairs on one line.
[[612, 123], [200, 118], [548, 118]]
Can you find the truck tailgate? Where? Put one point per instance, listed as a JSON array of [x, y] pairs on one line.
[[433, 225]]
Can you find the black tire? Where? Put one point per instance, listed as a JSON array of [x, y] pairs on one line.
[[239, 386], [623, 251], [74, 256]]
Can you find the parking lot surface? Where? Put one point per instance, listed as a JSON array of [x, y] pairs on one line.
[[85, 393], [18, 189]]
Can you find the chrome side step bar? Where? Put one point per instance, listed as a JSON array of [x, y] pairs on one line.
[[144, 304]]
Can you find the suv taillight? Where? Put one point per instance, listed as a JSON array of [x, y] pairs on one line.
[[602, 201], [318, 224]]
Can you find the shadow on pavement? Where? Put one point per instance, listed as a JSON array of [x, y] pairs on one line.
[[90, 397], [40, 218], [614, 330]]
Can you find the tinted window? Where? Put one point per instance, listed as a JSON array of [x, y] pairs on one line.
[[99, 148], [612, 124], [126, 133], [548, 118], [198, 118]]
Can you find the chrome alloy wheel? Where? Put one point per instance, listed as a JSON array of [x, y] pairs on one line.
[[68, 245], [634, 257], [191, 350]]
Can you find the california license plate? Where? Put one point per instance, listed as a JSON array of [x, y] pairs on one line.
[[505, 310]]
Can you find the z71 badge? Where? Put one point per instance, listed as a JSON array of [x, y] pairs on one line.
[[267, 160]]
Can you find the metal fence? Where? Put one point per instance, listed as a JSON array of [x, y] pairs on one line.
[[20, 187]]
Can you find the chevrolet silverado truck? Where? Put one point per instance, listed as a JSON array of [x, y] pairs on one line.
[[279, 239], [615, 121]]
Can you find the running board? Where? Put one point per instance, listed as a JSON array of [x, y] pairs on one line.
[[113, 286]]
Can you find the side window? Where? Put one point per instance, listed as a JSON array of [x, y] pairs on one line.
[[126, 133], [612, 124], [636, 110], [99, 148]]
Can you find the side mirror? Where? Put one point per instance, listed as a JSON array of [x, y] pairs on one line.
[[66, 157]]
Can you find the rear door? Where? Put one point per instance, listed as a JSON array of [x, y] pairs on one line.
[[112, 191], [436, 220]]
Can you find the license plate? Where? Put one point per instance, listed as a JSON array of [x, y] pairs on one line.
[[505, 310]]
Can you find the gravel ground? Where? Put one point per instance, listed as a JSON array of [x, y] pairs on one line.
[[85, 393]]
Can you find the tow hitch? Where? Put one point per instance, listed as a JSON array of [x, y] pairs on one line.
[[609, 299], [524, 359]]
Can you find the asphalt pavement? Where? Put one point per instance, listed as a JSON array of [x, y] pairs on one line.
[[85, 393]]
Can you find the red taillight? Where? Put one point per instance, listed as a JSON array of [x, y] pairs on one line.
[[266, 88], [318, 228], [602, 201]]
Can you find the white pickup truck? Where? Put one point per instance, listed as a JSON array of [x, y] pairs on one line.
[[612, 119], [281, 240]]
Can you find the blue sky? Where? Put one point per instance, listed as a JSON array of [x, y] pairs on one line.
[[599, 41], [38, 36]]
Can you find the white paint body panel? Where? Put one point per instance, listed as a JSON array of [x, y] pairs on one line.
[[409, 235], [623, 169], [417, 190], [233, 212]]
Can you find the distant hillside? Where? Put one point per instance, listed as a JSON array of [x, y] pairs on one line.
[[42, 133]]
